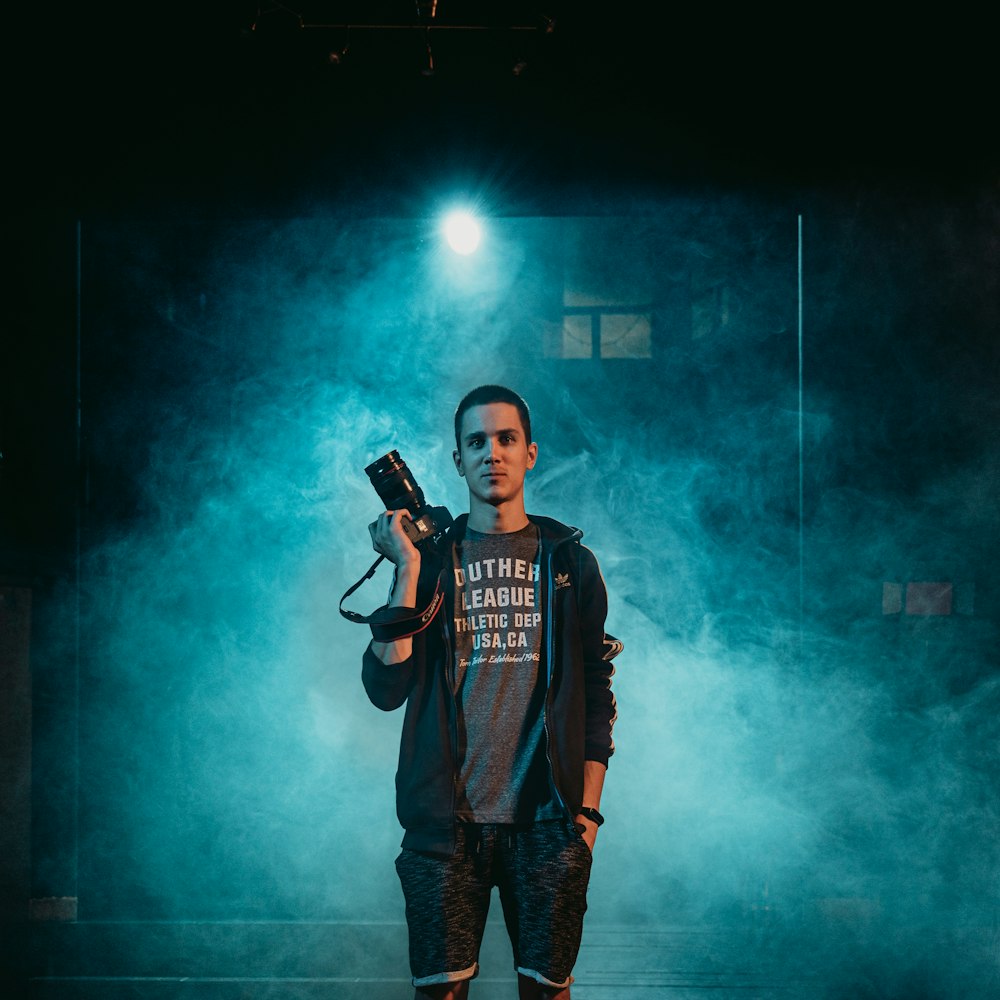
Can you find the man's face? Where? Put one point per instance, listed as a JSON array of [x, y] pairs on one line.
[[494, 454]]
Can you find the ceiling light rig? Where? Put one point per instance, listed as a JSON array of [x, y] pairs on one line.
[[429, 17], [339, 55], [274, 8], [427, 12]]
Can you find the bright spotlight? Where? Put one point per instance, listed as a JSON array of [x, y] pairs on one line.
[[462, 232]]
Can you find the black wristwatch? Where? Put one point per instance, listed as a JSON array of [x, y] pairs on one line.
[[592, 814]]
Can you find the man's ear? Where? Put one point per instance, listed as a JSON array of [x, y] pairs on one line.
[[532, 454], [456, 455]]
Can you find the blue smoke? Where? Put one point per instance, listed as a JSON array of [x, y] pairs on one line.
[[795, 757]]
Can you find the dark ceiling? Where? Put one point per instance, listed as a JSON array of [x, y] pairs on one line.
[[243, 106]]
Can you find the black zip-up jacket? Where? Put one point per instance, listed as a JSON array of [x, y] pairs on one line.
[[580, 709]]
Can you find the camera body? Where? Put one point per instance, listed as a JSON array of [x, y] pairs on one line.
[[398, 490]]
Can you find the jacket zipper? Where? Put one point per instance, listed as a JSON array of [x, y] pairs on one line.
[[549, 666], [452, 722]]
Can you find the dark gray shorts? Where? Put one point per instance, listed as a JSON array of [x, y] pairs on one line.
[[542, 872]]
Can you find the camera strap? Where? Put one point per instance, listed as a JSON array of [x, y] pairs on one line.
[[388, 623]]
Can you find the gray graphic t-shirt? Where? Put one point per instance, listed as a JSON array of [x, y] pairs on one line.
[[500, 679]]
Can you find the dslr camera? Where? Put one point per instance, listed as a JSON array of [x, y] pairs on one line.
[[398, 490]]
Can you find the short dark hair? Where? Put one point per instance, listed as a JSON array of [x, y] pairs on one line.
[[484, 394]]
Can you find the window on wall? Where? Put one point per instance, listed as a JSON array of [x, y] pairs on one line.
[[607, 294], [604, 332]]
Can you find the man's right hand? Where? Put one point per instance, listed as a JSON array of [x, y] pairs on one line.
[[392, 542]]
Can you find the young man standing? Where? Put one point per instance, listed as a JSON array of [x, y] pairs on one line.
[[509, 712]]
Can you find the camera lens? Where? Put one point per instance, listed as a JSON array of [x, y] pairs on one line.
[[395, 485]]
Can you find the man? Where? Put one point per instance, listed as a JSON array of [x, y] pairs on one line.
[[509, 712]]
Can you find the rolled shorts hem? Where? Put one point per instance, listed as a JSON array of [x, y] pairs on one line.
[[447, 977], [539, 978]]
